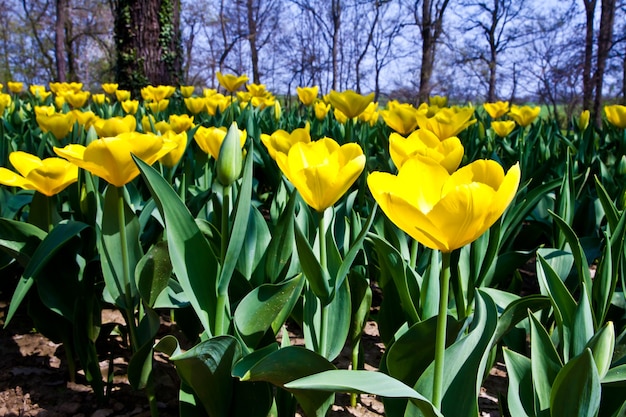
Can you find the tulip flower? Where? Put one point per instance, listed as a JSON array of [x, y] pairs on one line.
[[5, 101], [158, 93], [438, 101], [60, 124], [307, 95], [99, 98], [49, 176], [60, 88], [158, 106], [441, 210], [84, 118], [282, 141], [180, 122], [349, 102], [186, 90], [76, 99], [130, 106], [231, 82], [115, 125], [400, 117], [1, 87], [196, 105], [229, 159], [616, 115], [110, 88], [497, 109], [503, 128], [262, 102], [322, 171], [15, 86], [210, 139], [257, 90], [321, 109], [171, 158], [122, 95], [39, 91], [370, 114], [524, 115], [447, 122], [448, 152], [340, 116], [583, 120], [110, 158]]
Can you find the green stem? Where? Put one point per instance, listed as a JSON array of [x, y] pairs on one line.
[[126, 278], [413, 260], [355, 365], [440, 340], [324, 308], [220, 312]]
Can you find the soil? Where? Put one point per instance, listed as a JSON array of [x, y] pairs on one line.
[[34, 378]]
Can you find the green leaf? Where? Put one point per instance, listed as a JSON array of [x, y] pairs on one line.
[[153, 273], [281, 247], [518, 310], [576, 390], [616, 375], [193, 261], [20, 239], [583, 328], [545, 364], [265, 307], [602, 345], [520, 395], [610, 210], [140, 365], [255, 243], [465, 363], [46, 250], [318, 277], [342, 380], [286, 365]]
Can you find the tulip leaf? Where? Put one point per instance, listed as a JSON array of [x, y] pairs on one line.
[[288, 364], [119, 258], [140, 365], [153, 273], [583, 327], [193, 261], [240, 224], [465, 363], [265, 307], [20, 239], [44, 253], [576, 389], [255, 243], [354, 381], [520, 395], [518, 310], [281, 248], [610, 210], [602, 346], [545, 364], [316, 275], [206, 368]]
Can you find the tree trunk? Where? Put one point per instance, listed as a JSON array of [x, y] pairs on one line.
[[590, 6], [59, 39], [336, 18], [252, 31], [605, 38], [148, 41]]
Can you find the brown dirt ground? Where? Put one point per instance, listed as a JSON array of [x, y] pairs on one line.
[[34, 379]]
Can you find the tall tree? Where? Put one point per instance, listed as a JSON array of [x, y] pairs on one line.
[[590, 11], [605, 42], [148, 42]]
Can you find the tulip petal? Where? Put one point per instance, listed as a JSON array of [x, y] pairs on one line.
[[24, 162], [12, 179]]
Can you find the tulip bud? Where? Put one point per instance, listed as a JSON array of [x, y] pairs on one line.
[[621, 167], [583, 120], [229, 161]]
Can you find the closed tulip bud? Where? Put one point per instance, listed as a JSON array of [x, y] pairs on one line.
[[621, 168], [583, 120], [230, 160]]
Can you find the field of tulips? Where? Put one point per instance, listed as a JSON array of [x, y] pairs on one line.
[[234, 213]]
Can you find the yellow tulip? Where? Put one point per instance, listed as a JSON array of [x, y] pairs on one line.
[[281, 140], [524, 115], [321, 109], [115, 125], [5, 101], [49, 176], [497, 109], [60, 124], [616, 115], [180, 122], [1, 87], [208, 92], [76, 99], [441, 210], [217, 101], [257, 90], [122, 95], [231, 82], [503, 128], [39, 91], [322, 171], [262, 102], [161, 127], [307, 95], [186, 90], [400, 117], [438, 101], [158, 106], [210, 139], [447, 152], [340, 117], [447, 122], [110, 88], [172, 157], [15, 86], [370, 114], [130, 106], [583, 120], [59, 88], [99, 99], [196, 105], [110, 158], [158, 93], [350, 102], [84, 118]]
